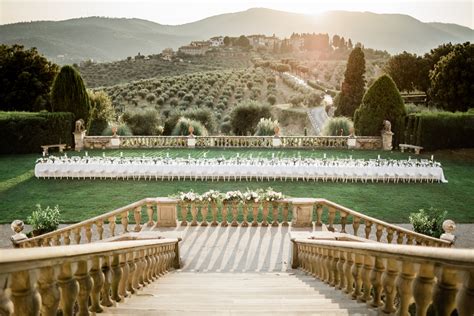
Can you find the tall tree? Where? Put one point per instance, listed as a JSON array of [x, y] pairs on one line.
[[404, 70], [381, 102], [25, 79], [452, 79], [69, 94], [352, 89]]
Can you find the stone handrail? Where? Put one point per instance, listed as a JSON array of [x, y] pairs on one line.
[[376, 274], [39, 280], [304, 213], [229, 141], [78, 231]]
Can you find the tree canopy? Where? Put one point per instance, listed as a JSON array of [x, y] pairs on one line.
[[246, 115], [382, 101], [69, 94], [452, 79], [352, 89], [404, 69], [25, 79]]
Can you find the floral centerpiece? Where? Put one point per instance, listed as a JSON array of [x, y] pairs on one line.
[[252, 196], [190, 196], [233, 197], [212, 196], [269, 195]]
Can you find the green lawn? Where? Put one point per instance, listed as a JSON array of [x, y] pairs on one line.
[[82, 199]]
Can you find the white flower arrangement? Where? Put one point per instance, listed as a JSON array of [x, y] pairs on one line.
[[190, 197], [212, 196], [233, 196], [252, 196], [270, 195]]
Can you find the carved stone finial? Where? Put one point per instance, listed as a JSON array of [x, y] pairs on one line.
[[449, 227], [80, 126], [17, 227], [387, 126]]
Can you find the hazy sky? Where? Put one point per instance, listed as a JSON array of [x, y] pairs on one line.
[[183, 11]]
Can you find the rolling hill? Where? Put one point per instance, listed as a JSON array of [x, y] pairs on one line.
[[106, 39]]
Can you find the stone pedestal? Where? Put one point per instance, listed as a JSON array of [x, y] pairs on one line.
[[387, 140], [351, 142], [166, 209], [191, 142], [79, 140], [276, 142], [302, 212], [115, 142]]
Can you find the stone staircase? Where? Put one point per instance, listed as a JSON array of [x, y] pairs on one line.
[[200, 293]]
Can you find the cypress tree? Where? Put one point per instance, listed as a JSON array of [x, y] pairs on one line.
[[69, 94], [352, 89], [381, 102]]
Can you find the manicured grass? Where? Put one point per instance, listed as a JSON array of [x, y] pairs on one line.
[[82, 199]]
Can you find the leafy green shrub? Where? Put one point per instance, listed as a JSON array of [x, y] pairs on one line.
[[266, 127], [246, 115], [204, 116], [226, 127], [271, 99], [428, 222], [182, 128], [143, 122], [102, 112], [44, 220], [381, 102], [26, 132], [122, 130], [334, 125], [440, 130], [150, 97]]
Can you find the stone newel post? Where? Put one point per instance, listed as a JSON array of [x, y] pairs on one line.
[[79, 134], [191, 138], [387, 135], [166, 209], [302, 212]]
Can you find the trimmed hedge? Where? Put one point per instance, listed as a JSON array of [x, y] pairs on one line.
[[25, 132], [440, 130]]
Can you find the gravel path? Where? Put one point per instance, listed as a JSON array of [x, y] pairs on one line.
[[464, 233]]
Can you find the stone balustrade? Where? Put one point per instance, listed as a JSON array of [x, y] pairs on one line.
[[363, 142], [83, 277], [300, 212], [389, 278]]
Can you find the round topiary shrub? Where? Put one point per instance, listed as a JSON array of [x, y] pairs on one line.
[[246, 115], [338, 126], [182, 128], [381, 102]]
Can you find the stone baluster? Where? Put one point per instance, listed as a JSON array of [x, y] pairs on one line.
[[147, 273], [319, 215], [137, 216], [340, 267], [224, 222], [357, 275], [327, 265], [379, 232], [348, 273], [132, 268], [368, 228], [88, 229], [313, 261], [255, 214], [184, 213], [423, 287], [111, 221], [376, 281], [331, 217], [400, 236], [143, 268], [100, 228], [355, 224], [366, 283], [214, 214], [57, 240], [410, 238], [105, 293], [77, 235], [124, 221], [404, 286], [85, 286], [389, 235], [98, 281], [285, 215], [116, 277], [389, 287], [245, 210], [466, 295], [343, 221], [149, 212], [153, 259], [234, 214], [156, 260], [275, 214], [334, 267], [445, 292], [265, 214], [24, 294], [204, 211], [194, 213], [137, 271], [69, 289], [49, 290], [6, 305]]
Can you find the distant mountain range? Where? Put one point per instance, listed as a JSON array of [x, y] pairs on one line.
[[106, 39]]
